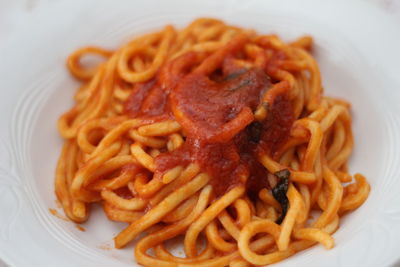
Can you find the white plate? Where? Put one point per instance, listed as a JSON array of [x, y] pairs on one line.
[[356, 47]]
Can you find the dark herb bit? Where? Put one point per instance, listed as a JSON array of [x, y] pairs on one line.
[[280, 190], [283, 174], [235, 75], [242, 83], [254, 131]]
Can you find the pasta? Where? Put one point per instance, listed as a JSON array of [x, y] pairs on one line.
[[214, 133]]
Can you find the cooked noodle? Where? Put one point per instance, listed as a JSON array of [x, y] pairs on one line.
[[212, 132]]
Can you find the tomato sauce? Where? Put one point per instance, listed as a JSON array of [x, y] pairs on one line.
[[222, 140], [124, 193], [148, 100], [208, 105]]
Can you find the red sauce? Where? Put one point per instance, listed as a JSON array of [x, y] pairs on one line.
[[148, 100], [220, 160], [276, 127], [208, 105], [124, 192], [80, 228], [274, 131], [58, 215], [135, 100], [216, 113]]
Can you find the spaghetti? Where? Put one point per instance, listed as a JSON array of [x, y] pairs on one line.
[[213, 133]]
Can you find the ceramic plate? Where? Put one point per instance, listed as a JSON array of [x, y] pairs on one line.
[[357, 48]]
